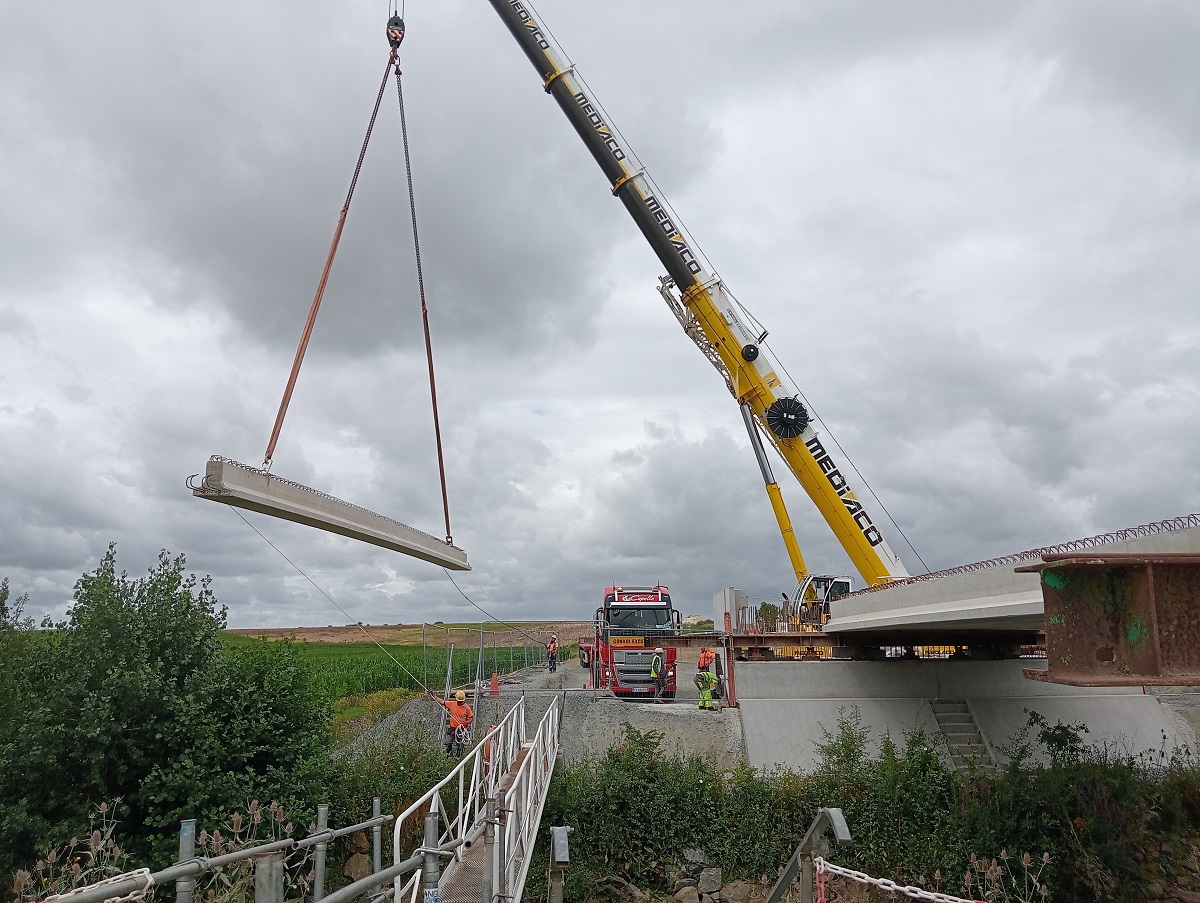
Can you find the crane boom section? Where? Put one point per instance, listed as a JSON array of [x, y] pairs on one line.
[[752, 375]]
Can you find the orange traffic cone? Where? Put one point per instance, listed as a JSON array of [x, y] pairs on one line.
[[495, 684]]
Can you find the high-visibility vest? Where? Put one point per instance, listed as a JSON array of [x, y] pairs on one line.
[[706, 659], [461, 714], [553, 647], [656, 665]]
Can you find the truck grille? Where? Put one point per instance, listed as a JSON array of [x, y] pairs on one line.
[[635, 670]]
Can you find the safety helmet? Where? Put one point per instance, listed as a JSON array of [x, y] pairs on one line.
[[554, 636], [658, 648], [461, 695]]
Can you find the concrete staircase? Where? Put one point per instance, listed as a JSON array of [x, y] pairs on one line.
[[963, 739]]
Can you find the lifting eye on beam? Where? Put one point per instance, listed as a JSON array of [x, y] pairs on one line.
[[247, 487]]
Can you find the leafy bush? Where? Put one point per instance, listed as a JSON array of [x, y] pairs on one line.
[[1080, 819], [134, 697]]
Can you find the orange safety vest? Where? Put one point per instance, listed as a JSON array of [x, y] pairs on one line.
[[706, 659], [461, 714], [553, 647]]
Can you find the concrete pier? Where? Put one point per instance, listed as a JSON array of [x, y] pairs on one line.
[[787, 707], [236, 484]]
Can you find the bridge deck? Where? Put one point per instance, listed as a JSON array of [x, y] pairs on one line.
[[462, 879]]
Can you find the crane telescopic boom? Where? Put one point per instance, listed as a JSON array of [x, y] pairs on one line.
[[708, 311]]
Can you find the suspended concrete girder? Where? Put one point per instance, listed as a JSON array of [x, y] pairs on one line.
[[247, 487]]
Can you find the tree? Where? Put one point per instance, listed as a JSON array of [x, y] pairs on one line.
[[134, 696]]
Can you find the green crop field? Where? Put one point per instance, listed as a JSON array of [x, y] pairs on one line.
[[356, 669]]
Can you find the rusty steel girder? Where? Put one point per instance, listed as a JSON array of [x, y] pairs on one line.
[[1120, 619]]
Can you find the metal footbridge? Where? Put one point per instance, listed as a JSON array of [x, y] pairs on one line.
[[476, 827]]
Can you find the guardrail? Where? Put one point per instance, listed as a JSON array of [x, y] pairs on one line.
[[521, 803], [268, 860], [475, 779]]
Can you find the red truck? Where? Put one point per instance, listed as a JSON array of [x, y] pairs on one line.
[[630, 623]]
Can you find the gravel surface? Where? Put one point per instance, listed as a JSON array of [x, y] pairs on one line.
[[591, 721]]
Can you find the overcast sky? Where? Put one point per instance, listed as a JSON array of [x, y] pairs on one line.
[[972, 229]]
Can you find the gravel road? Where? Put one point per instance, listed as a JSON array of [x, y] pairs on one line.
[[592, 722]]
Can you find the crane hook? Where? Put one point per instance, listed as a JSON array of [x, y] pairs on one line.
[[395, 31]]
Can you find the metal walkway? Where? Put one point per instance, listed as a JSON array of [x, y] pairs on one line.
[[488, 808]]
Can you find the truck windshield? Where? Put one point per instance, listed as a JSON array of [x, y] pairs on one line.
[[639, 618]]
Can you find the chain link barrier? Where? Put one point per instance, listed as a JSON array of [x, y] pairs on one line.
[[824, 868], [132, 896]]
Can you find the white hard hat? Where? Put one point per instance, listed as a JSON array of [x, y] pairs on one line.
[[658, 649]]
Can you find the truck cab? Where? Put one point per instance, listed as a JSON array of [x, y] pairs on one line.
[[630, 623]]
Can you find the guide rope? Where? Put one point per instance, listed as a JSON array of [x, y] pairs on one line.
[[824, 868]]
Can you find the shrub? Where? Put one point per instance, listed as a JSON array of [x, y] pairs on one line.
[[133, 697]]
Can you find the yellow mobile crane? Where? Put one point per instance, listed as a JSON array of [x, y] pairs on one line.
[[720, 327]]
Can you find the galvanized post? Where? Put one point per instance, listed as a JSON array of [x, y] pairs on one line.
[[501, 888], [268, 878], [800, 865], [559, 858], [431, 870], [806, 878], [319, 867], [185, 887], [376, 839], [489, 850], [424, 658]]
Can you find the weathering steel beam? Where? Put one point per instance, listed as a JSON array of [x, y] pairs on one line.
[[1116, 619], [246, 487]]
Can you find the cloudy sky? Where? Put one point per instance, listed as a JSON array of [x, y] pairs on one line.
[[972, 230]]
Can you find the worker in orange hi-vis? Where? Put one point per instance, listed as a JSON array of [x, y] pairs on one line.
[[707, 657], [552, 652], [458, 725]]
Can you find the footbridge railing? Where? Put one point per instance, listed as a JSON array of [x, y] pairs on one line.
[[498, 790], [460, 796], [521, 803]]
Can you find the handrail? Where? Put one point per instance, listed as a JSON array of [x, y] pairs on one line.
[[333, 834], [477, 777], [522, 802]]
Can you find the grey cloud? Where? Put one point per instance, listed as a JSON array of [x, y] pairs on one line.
[[971, 251]]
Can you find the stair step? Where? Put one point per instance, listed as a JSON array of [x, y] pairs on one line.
[[954, 717], [949, 705]]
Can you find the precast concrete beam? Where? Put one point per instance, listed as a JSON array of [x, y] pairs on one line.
[[241, 486], [988, 596]]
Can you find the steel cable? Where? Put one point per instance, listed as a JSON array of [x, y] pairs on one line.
[[412, 207], [306, 334]]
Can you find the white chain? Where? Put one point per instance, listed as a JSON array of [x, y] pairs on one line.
[[917, 893], [133, 895]]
